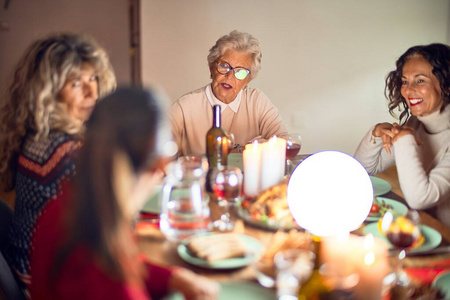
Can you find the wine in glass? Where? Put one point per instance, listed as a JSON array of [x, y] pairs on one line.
[[403, 232], [293, 146], [226, 184]]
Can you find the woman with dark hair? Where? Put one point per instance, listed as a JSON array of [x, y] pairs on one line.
[[84, 245], [420, 145], [55, 86]]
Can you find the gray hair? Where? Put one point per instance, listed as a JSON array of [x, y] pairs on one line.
[[238, 41]]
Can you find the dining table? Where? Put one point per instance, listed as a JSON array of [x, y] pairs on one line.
[[160, 250]]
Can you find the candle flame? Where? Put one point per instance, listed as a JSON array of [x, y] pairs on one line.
[[273, 140], [369, 258], [369, 241]]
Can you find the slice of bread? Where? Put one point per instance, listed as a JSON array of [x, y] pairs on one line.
[[215, 247]]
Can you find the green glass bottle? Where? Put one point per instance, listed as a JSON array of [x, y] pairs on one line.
[[314, 288], [217, 145]]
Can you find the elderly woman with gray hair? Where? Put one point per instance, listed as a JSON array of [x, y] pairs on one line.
[[233, 61]]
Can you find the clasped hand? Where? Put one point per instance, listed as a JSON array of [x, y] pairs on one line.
[[390, 133]]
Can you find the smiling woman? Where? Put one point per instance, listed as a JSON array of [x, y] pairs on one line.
[[419, 147], [234, 61]]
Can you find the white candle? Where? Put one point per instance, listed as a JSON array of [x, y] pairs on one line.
[[252, 169], [273, 159]]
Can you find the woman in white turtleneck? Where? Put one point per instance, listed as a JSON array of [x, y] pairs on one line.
[[420, 147]]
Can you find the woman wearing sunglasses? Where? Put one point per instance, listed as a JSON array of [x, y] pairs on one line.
[[233, 61]]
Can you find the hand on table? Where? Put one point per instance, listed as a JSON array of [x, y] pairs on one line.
[[193, 286]]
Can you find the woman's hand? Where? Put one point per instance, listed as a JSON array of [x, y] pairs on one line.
[[380, 131], [193, 286], [398, 131]]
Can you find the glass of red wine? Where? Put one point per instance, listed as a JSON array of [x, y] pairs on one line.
[[226, 184], [403, 232], [293, 146]]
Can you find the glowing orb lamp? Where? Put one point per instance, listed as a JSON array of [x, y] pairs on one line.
[[330, 193]]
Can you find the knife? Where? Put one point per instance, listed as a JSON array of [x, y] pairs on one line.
[[438, 250]]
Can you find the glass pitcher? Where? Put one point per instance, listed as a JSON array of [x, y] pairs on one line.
[[185, 203]]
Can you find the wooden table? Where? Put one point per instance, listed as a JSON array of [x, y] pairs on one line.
[[159, 250]]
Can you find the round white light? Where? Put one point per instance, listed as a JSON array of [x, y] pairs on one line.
[[330, 193]]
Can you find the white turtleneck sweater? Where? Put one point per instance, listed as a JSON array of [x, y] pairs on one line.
[[423, 170]]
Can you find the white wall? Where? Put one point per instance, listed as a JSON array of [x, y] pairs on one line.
[[324, 62], [25, 21]]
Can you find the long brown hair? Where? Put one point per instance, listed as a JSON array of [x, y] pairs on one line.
[[132, 122]]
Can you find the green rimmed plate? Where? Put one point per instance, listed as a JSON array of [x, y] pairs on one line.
[[236, 291], [432, 237], [254, 251], [442, 283], [153, 204], [380, 186], [398, 208]]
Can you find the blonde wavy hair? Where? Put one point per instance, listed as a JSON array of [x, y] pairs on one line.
[[32, 104]]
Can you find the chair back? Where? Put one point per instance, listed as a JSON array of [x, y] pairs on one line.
[[9, 288], [6, 214]]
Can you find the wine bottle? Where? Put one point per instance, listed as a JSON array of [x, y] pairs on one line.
[[217, 145], [314, 288]]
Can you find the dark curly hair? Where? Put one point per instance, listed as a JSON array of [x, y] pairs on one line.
[[438, 55]]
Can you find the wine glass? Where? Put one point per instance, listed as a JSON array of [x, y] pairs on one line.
[[293, 146], [403, 232], [226, 184]]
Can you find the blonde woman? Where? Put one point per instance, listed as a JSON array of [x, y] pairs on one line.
[[55, 86]]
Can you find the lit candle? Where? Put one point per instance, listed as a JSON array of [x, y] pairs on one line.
[[273, 159], [363, 256], [252, 168]]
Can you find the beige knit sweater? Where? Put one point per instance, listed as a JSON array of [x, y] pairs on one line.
[[191, 117]]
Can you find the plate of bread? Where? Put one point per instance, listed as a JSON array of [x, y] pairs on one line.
[[220, 250]]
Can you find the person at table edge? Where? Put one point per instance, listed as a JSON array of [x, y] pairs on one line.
[[420, 145], [233, 61]]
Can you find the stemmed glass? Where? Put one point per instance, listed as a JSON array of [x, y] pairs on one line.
[[293, 146], [403, 232], [226, 184]]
